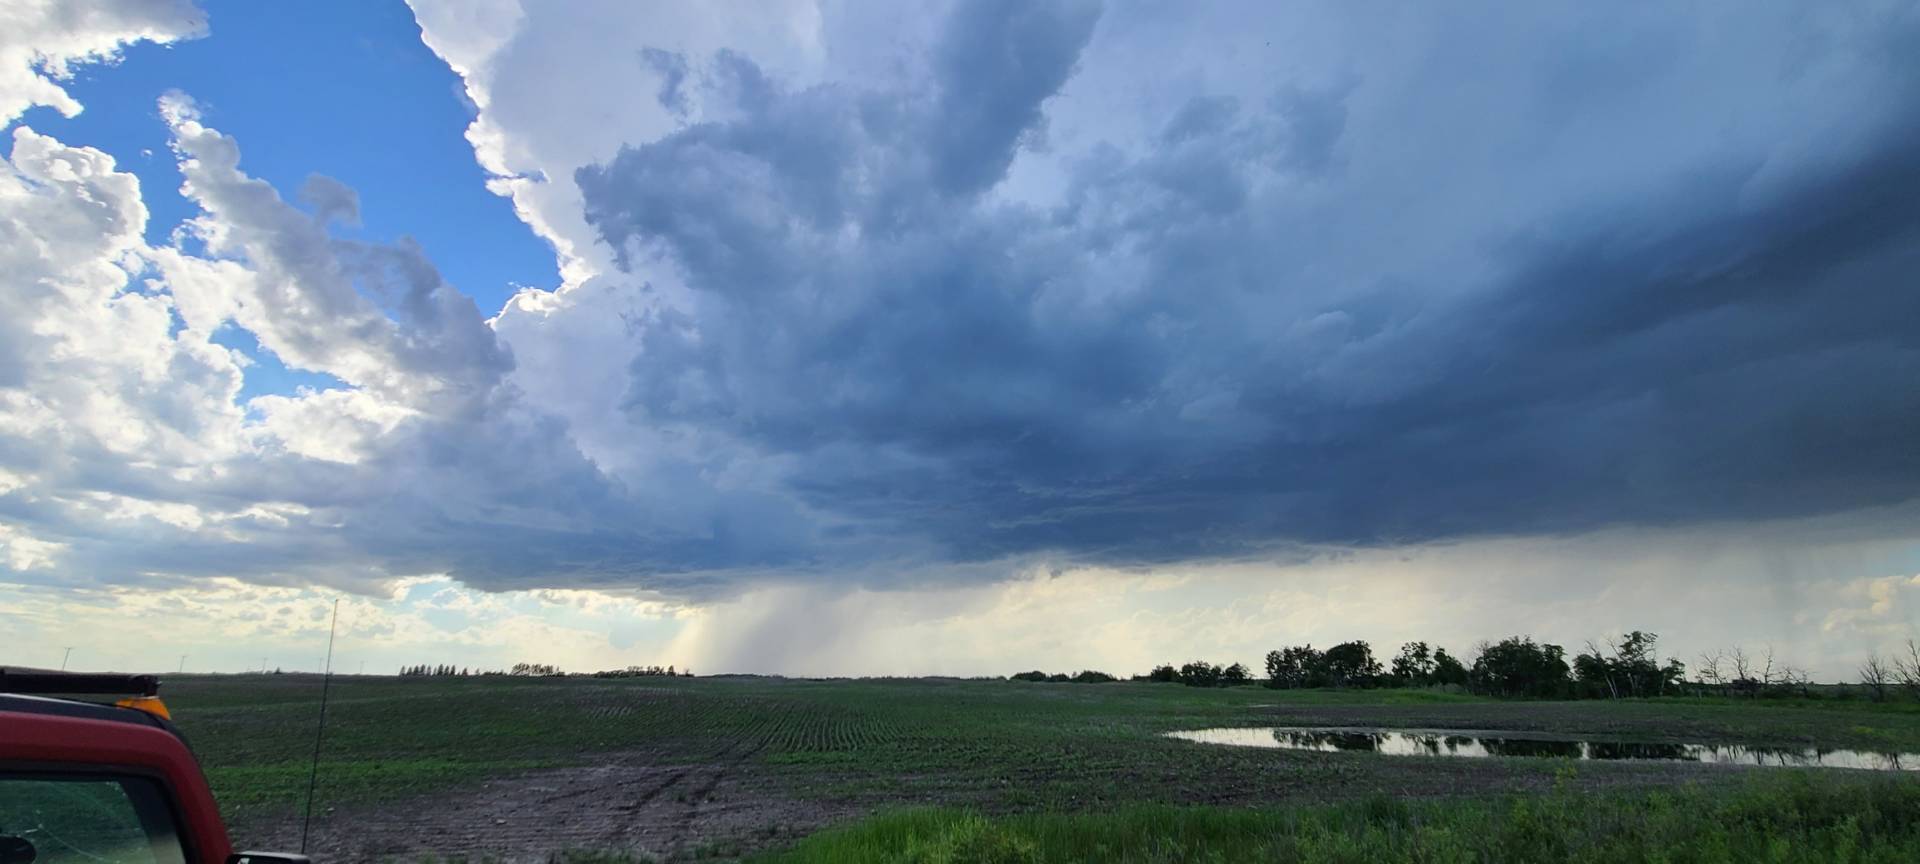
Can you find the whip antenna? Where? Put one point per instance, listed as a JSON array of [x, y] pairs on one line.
[[320, 729]]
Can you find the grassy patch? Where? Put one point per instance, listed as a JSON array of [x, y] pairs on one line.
[[277, 787], [1798, 818]]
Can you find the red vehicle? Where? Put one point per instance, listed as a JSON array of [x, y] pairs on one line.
[[90, 782]]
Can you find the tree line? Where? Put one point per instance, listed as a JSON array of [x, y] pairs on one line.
[[541, 670], [447, 669], [1200, 673], [1514, 667], [522, 669], [1882, 676], [1521, 667], [1088, 676], [644, 672]]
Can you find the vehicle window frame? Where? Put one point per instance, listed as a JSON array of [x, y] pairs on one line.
[[148, 792]]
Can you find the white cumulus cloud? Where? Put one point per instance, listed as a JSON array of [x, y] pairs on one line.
[[43, 41]]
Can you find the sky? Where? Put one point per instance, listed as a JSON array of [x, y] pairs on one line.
[[828, 338]]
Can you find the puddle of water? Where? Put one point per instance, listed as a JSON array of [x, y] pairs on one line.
[[1488, 744]]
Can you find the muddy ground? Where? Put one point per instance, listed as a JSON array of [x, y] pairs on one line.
[[633, 803]]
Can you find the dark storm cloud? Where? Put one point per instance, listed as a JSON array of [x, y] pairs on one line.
[[672, 69], [1151, 369], [998, 61]]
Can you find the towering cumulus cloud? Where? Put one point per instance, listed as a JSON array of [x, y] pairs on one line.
[[1269, 321], [128, 458]]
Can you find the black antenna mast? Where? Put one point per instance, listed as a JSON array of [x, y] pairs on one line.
[[326, 678]]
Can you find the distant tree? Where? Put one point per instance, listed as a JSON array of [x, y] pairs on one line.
[[1635, 663], [1035, 675], [1448, 670], [1906, 668], [1200, 673], [1747, 679], [1164, 673], [1629, 667], [1517, 666], [1235, 675], [1741, 664], [1765, 674], [1351, 664], [1794, 681], [1413, 666], [1673, 676], [1595, 674], [1059, 678], [1090, 676], [1711, 672], [1295, 666]]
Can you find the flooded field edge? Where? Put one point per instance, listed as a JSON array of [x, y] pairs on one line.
[[1492, 744]]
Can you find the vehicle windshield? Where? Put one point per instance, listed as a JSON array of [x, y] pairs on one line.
[[56, 820]]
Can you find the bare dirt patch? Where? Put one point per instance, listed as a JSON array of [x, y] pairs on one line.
[[633, 803]]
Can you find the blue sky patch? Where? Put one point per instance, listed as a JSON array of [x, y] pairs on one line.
[[267, 375], [342, 89]]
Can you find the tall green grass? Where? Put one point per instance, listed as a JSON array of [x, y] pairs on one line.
[[1794, 818]]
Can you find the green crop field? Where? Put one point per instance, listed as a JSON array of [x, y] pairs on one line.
[[721, 766]]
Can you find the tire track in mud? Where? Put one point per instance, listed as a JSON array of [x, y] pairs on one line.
[[703, 793], [666, 801], [657, 827], [632, 805], [638, 803], [755, 739]]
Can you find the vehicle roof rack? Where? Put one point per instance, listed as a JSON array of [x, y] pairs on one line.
[[78, 684]]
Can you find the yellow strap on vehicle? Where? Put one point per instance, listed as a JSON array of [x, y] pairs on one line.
[[148, 704]]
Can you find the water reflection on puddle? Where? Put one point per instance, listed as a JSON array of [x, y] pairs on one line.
[[1486, 744]]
